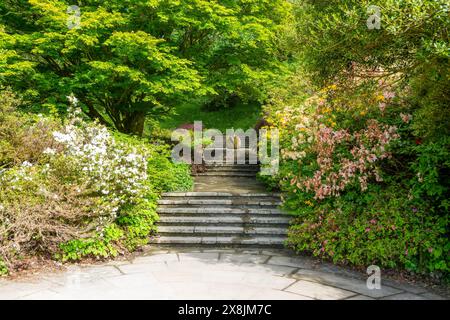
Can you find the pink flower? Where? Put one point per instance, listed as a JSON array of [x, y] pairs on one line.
[[373, 221], [372, 158], [389, 94], [430, 250], [406, 118], [367, 230]]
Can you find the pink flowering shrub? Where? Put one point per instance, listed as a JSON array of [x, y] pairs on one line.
[[379, 227], [335, 158], [345, 177], [336, 169]]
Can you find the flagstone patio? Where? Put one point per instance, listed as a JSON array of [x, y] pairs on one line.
[[187, 274]]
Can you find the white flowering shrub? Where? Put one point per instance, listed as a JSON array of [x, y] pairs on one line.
[[81, 191], [115, 171]]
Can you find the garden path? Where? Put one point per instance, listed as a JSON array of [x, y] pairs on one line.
[[191, 274]]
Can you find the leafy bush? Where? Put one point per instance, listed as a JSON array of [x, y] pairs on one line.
[[23, 138], [83, 193], [378, 227], [364, 134], [167, 176], [363, 187], [3, 268], [129, 60]]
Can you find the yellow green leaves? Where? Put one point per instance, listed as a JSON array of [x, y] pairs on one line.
[[52, 13]]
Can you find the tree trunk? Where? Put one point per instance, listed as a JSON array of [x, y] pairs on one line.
[[95, 115], [134, 123]]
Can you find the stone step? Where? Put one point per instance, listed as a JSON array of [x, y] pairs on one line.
[[230, 150], [225, 202], [219, 194], [230, 163], [231, 170], [219, 211], [220, 201], [221, 230], [229, 220], [233, 167], [226, 174], [221, 241]]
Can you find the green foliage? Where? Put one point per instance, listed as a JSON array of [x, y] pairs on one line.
[[412, 45], [138, 225], [395, 217], [378, 227], [101, 246], [167, 176], [363, 119], [3, 268], [133, 59], [71, 189], [242, 116]]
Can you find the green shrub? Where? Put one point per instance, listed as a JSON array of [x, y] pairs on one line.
[[364, 134], [146, 56], [167, 176], [3, 268], [22, 137], [350, 157], [82, 192], [100, 246], [379, 227]]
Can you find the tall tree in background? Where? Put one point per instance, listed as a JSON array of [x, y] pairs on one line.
[[130, 59], [410, 45]]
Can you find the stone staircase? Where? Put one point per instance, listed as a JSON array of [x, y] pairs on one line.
[[230, 171], [228, 208]]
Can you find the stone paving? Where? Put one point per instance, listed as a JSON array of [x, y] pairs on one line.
[[228, 184], [187, 274]]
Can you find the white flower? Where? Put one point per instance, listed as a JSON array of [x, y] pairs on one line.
[[50, 151], [72, 99], [27, 164], [61, 137]]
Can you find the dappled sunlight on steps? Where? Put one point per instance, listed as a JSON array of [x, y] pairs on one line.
[[228, 208]]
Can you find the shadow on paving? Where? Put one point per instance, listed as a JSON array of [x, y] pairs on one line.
[[254, 274]]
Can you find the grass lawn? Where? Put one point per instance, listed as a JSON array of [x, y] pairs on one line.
[[243, 116]]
